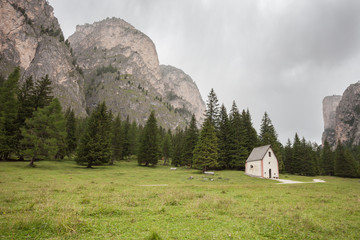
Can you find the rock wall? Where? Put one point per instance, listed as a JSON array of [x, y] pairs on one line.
[[182, 92], [342, 117], [30, 37], [107, 61], [348, 116], [330, 103]]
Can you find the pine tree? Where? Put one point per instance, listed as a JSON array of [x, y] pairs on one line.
[[327, 160], [126, 146], [117, 139], [8, 115], [26, 101], [212, 109], [206, 150], [308, 165], [134, 138], [42, 93], [251, 137], [166, 147], [268, 135], [178, 148], [297, 155], [95, 145], [224, 138], [45, 133], [191, 138], [288, 158], [148, 151], [71, 140], [237, 150], [345, 164]]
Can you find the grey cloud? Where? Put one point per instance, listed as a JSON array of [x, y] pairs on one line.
[[280, 56]]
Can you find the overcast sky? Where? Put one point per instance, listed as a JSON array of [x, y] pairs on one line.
[[278, 56]]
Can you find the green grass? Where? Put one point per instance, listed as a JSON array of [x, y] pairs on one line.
[[60, 200]]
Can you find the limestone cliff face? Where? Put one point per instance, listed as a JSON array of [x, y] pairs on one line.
[[348, 116], [121, 67], [107, 61], [342, 117], [330, 103], [182, 92], [30, 37]]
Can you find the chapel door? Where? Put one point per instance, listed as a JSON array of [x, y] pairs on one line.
[[269, 173]]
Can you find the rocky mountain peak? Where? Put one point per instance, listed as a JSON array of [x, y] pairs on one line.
[[109, 61], [116, 35]]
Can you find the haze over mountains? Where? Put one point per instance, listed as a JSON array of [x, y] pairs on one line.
[[107, 61]]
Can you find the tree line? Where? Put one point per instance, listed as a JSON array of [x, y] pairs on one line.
[[33, 126]]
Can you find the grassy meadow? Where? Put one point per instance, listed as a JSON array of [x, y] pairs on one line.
[[60, 200]]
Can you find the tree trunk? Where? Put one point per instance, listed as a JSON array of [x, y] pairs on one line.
[[165, 159], [89, 165], [31, 164]]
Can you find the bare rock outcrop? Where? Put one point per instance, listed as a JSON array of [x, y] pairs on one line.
[[348, 116], [330, 103], [342, 117], [182, 92], [30, 37]]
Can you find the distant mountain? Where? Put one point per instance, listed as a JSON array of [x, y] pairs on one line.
[[342, 117], [120, 66], [107, 61]]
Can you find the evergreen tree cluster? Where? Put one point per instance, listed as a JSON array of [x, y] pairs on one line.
[[308, 159], [34, 127], [224, 141]]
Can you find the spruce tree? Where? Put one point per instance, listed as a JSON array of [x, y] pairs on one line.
[[126, 145], [191, 138], [224, 138], [288, 158], [327, 160], [297, 155], [95, 144], [268, 135], [117, 139], [166, 147], [26, 100], [345, 164], [308, 162], [148, 151], [42, 93], [206, 151], [178, 148], [251, 137], [237, 150], [8, 115], [71, 140], [212, 109], [44, 134], [134, 138]]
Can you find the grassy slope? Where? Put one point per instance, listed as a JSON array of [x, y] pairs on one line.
[[60, 200]]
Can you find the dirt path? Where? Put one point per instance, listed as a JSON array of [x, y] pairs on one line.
[[285, 181]]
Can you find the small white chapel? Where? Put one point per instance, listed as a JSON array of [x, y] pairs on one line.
[[262, 162]]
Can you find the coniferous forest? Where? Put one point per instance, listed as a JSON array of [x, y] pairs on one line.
[[34, 127]]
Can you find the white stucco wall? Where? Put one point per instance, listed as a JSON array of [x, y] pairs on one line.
[[270, 162], [255, 170]]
